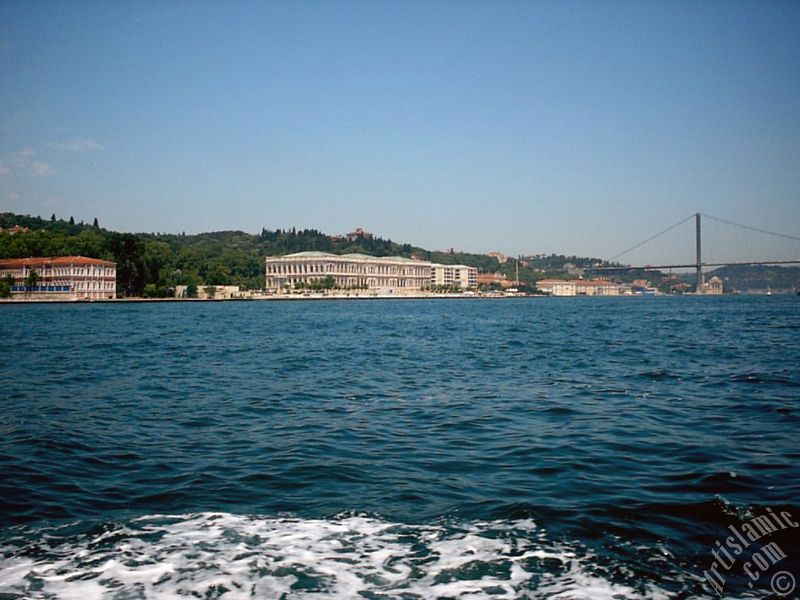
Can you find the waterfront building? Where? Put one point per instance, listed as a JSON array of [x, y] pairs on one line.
[[60, 278], [389, 274], [580, 287], [557, 287], [713, 287], [460, 276]]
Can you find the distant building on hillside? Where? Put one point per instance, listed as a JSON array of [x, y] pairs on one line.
[[501, 258], [13, 230], [581, 287], [358, 233], [460, 276], [60, 278], [389, 274]]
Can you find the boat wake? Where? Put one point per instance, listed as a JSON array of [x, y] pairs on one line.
[[218, 555]]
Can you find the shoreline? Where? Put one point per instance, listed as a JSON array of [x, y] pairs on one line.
[[300, 298], [278, 298]]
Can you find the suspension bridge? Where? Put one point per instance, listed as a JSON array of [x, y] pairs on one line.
[[698, 264]]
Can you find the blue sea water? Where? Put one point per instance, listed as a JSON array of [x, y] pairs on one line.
[[519, 448]]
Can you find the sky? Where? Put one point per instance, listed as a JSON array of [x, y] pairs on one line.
[[531, 127]]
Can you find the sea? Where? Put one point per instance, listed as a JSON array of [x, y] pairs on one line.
[[559, 448]]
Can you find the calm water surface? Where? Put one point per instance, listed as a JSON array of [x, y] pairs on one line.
[[535, 448]]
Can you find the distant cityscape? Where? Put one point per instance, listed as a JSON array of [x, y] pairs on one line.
[[356, 264]]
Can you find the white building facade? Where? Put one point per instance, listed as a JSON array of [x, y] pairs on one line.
[[581, 287], [460, 276], [390, 274], [713, 287], [60, 278]]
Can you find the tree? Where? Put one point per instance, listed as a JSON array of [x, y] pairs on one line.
[[31, 279], [128, 251], [5, 286], [159, 268], [210, 291], [191, 290], [72, 221], [96, 225], [53, 218]]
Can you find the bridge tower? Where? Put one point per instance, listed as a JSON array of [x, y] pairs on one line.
[[699, 255]]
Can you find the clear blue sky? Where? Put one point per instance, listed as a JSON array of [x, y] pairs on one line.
[[575, 127]]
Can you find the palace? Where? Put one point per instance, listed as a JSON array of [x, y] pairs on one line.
[[60, 278], [390, 274], [581, 287]]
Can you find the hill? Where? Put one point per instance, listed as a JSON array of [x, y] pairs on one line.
[[759, 278]]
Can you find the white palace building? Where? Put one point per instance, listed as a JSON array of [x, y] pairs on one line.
[[381, 274], [390, 274]]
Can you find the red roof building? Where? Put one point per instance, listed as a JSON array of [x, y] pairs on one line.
[[60, 278]]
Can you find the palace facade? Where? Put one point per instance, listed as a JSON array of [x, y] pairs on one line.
[[390, 274], [581, 287], [60, 278]]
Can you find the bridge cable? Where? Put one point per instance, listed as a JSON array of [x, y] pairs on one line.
[[783, 235], [651, 238]]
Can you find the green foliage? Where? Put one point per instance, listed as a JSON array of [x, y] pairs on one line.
[[128, 252], [447, 289], [31, 279], [325, 283], [5, 286]]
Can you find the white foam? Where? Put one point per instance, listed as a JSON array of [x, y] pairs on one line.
[[233, 556]]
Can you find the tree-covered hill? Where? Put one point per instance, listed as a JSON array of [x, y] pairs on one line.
[[759, 277]]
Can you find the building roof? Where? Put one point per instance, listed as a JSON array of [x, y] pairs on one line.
[[452, 266], [11, 263], [353, 256], [404, 259], [307, 254], [594, 282]]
